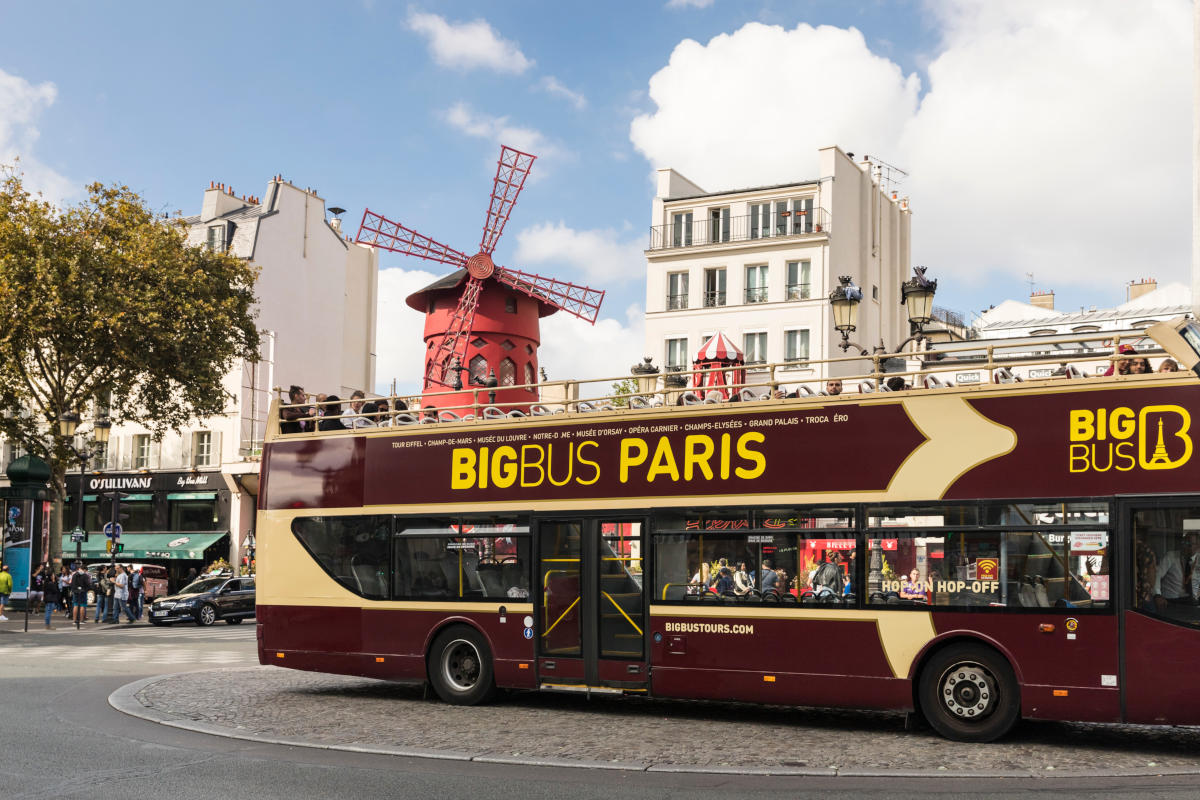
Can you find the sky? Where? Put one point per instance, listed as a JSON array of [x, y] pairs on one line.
[[1043, 138]]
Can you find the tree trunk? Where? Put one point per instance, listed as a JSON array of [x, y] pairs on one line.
[[58, 480]]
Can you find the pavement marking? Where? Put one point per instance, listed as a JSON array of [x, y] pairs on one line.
[[121, 653]]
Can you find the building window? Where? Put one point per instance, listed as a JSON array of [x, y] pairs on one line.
[[510, 305], [193, 515], [714, 287], [202, 449], [718, 225], [795, 345], [799, 280], [760, 220], [677, 354], [479, 369], [1085, 329], [677, 290], [141, 451], [802, 215], [530, 377], [216, 238], [681, 229], [756, 284], [508, 372], [755, 348], [782, 217]]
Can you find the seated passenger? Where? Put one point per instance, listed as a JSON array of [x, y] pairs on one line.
[[1139, 366], [360, 407], [742, 584], [331, 416], [769, 577], [1121, 367], [295, 420], [833, 387], [913, 589], [724, 582], [896, 383], [1168, 365]]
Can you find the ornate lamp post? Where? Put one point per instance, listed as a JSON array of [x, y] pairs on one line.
[[646, 375], [68, 424], [916, 295]]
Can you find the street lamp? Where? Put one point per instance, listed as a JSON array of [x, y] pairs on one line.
[[916, 295], [68, 424], [845, 299]]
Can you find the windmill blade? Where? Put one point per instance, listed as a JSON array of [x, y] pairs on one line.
[[572, 298], [379, 231], [454, 341], [511, 172]]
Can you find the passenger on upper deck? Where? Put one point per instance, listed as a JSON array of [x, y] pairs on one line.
[[331, 418], [295, 420], [358, 406], [1168, 365], [833, 387], [1122, 367]]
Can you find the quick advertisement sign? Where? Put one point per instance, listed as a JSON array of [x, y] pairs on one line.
[[922, 446]]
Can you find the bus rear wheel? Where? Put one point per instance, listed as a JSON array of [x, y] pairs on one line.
[[969, 693], [460, 667]]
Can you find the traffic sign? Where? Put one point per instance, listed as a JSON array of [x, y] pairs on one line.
[[110, 532], [78, 535], [108, 546]]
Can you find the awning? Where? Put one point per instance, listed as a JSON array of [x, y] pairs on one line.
[[138, 546]]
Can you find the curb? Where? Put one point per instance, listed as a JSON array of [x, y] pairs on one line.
[[125, 700]]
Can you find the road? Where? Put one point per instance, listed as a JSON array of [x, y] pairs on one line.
[[59, 738]]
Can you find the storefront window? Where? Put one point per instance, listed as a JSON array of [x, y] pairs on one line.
[[193, 515]]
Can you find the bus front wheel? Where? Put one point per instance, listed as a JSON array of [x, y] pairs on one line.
[[968, 693], [460, 667]]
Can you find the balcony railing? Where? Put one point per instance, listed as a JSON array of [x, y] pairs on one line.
[[756, 294], [706, 232], [676, 302], [799, 291], [714, 299]]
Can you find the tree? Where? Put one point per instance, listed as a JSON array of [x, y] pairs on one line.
[[622, 390], [104, 307]]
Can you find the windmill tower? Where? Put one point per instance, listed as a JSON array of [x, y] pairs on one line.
[[482, 319]]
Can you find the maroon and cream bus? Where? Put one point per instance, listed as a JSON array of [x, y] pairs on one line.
[[976, 554]]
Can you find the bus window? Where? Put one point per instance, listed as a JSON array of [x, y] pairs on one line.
[[352, 550], [1017, 569], [1166, 546], [463, 567]]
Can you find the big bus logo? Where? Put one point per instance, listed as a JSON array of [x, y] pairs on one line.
[[1156, 437]]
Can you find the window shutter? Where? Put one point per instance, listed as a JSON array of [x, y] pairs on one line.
[[189, 450], [214, 458]]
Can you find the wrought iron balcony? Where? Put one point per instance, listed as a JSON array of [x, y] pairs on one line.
[[756, 294], [707, 232], [676, 302], [714, 299]]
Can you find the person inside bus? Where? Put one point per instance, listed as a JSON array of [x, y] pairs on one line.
[[331, 414], [1169, 365], [913, 589], [742, 584], [826, 578], [896, 384], [358, 406], [833, 387], [724, 580], [769, 577], [1121, 367], [1139, 366]]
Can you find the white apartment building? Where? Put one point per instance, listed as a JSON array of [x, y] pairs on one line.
[[759, 264], [316, 315]]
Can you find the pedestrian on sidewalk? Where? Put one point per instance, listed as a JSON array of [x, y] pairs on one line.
[[136, 588], [110, 596], [80, 583], [5, 589], [51, 596], [64, 590], [37, 586], [121, 595], [100, 587]]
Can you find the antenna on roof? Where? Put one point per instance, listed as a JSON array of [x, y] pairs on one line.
[[889, 175], [1030, 281]]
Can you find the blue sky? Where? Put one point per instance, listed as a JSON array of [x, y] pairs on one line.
[[1051, 138]]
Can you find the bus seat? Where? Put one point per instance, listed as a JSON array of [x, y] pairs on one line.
[[713, 396], [516, 412], [585, 406], [512, 573], [491, 412], [637, 401], [691, 399], [404, 419], [1003, 375], [748, 395], [865, 387], [934, 382], [448, 416], [540, 411], [493, 583], [804, 390]]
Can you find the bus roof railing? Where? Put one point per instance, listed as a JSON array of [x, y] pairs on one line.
[[924, 370]]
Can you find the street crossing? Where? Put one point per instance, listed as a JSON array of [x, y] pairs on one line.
[[149, 646]]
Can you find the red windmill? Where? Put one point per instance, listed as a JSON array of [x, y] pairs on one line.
[[479, 319]]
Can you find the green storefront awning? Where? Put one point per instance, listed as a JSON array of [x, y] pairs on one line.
[[139, 546]]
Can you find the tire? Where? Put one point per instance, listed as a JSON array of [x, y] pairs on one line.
[[968, 693], [206, 615], [233, 621], [460, 667]]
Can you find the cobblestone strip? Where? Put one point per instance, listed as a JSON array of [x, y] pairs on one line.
[[278, 706]]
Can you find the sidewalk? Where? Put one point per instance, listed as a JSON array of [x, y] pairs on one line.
[[37, 622], [279, 706]]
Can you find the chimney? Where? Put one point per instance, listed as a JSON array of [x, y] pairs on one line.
[[1136, 289], [1042, 299], [218, 201]]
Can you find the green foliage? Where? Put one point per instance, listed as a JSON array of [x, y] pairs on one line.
[[105, 299], [621, 390]]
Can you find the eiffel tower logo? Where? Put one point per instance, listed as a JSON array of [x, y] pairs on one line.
[[1160, 450]]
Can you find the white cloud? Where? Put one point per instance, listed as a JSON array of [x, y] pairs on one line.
[[1054, 138], [468, 45], [399, 346], [21, 103], [600, 255], [573, 349], [551, 85], [689, 3], [498, 129], [781, 95]]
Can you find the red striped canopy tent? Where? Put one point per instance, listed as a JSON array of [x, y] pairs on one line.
[[719, 364]]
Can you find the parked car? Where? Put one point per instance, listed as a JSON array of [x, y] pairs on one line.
[[205, 601], [154, 575]]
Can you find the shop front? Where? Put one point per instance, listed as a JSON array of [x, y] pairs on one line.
[[177, 519]]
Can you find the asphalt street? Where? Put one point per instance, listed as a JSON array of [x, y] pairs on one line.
[[60, 738]]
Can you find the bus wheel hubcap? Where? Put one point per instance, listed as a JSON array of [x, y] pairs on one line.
[[461, 665], [968, 691]]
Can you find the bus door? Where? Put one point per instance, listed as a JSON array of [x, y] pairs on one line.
[[591, 605], [1160, 618]]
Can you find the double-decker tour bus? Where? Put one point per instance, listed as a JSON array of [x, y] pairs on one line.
[[973, 553]]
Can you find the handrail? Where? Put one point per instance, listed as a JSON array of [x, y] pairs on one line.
[[623, 614], [553, 397], [546, 632]]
